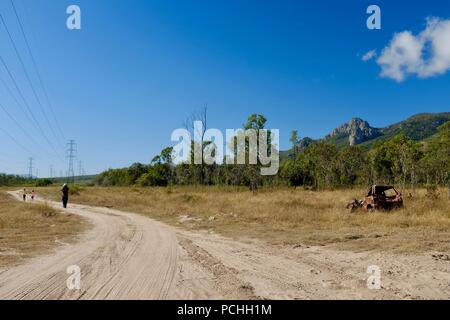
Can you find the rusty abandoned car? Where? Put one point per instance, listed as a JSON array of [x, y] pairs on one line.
[[379, 197]]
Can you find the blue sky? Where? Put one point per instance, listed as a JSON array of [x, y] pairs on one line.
[[137, 69]]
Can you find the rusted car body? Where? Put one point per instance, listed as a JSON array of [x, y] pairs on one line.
[[382, 197]]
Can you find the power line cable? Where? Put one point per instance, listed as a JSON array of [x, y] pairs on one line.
[[10, 116], [17, 142], [19, 57], [37, 70], [17, 101], [29, 109], [13, 119]]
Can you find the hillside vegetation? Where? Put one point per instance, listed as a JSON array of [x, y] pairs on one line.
[[418, 127], [395, 156]]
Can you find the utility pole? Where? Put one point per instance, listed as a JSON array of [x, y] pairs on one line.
[[30, 168], [80, 169], [71, 155]]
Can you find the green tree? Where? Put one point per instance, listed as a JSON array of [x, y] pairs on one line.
[[157, 176], [320, 160], [396, 161], [436, 160], [352, 166], [295, 141], [256, 122]]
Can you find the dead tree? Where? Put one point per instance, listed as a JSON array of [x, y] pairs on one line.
[[202, 116]]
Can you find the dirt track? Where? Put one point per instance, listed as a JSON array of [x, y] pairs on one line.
[[128, 256]]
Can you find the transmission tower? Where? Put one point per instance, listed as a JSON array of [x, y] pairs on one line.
[[71, 155], [51, 171], [80, 169], [30, 168]]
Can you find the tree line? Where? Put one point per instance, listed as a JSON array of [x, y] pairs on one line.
[[320, 165], [11, 180]]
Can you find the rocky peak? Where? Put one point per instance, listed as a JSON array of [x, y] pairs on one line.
[[305, 143], [357, 130]]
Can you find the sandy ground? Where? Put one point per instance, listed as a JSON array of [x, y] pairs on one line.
[[128, 256]]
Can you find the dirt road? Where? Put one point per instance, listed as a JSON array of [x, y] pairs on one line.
[[123, 256], [128, 256]]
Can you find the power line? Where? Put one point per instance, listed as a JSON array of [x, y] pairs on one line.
[[17, 101], [37, 70], [30, 167], [80, 169], [16, 142], [19, 57], [28, 107], [24, 111], [71, 155], [19, 125]]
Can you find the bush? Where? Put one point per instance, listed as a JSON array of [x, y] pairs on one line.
[[43, 182], [157, 176], [75, 189]]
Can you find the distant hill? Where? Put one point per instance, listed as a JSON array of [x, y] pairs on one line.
[[359, 132], [418, 127]]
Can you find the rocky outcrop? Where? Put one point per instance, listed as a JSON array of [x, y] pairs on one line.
[[305, 143], [356, 131]]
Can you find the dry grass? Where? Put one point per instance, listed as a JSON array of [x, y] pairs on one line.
[[287, 216], [27, 230]]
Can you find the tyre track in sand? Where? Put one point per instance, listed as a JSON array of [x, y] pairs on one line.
[[123, 256], [129, 256]]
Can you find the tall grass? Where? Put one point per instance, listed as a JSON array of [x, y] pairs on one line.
[[29, 229], [287, 216]]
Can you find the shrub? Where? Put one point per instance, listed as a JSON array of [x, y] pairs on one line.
[[43, 182], [75, 189], [157, 176]]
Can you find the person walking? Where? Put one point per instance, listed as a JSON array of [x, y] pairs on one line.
[[33, 195], [65, 195], [24, 194]]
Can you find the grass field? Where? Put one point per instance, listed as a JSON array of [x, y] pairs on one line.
[[28, 230], [285, 216]]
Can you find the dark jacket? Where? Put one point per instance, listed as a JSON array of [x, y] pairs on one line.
[[65, 191]]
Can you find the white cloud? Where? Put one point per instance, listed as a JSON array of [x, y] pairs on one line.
[[369, 55], [424, 55]]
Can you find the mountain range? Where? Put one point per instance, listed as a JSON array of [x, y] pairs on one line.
[[359, 132]]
